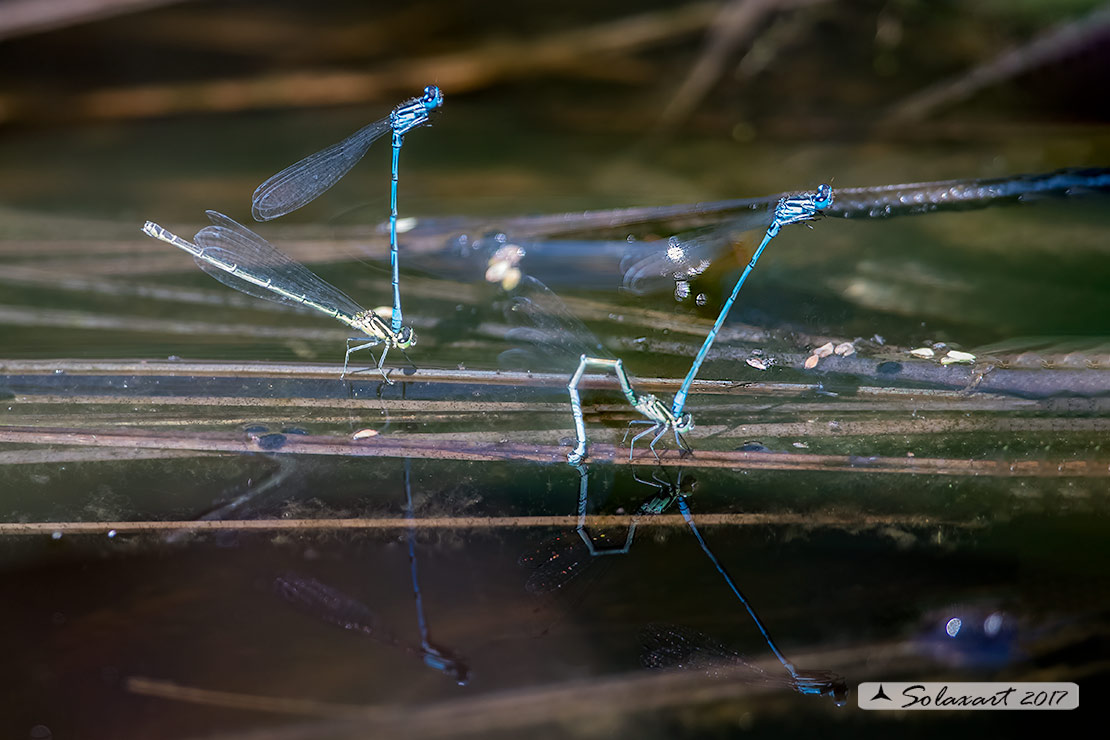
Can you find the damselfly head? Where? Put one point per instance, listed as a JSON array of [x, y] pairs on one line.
[[822, 683], [823, 198], [406, 337], [684, 423], [447, 663], [433, 97]]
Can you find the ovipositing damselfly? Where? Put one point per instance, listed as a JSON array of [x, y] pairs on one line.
[[659, 417], [241, 259], [303, 182]]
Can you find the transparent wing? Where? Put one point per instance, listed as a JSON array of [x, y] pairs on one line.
[[305, 181], [666, 646], [1049, 345], [548, 335], [329, 604], [662, 265], [230, 250], [555, 563]]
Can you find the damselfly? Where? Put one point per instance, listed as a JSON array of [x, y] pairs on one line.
[[646, 267], [660, 419], [540, 307], [241, 259], [303, 182], [789, 211]]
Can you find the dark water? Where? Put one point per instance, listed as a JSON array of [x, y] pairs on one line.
[[868, 601]]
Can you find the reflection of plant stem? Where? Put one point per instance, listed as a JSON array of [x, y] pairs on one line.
[[238, 506], [578, 702], [848, 521], [450, 447]]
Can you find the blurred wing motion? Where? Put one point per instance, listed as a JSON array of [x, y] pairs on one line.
[[1050, 352], [671, 264], [548, 336]]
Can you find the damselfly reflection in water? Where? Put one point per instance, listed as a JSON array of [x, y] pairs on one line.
[[670, 647], [241, 259], [336, 607], [806, 682], [248, 503], [562, 558], [559, 561], [436, 657], [303, 182], [331, 605]]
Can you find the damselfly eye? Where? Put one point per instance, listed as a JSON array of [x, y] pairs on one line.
[[406, 337], [823, 197], [433, 96]]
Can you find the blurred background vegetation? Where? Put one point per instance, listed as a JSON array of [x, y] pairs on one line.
[[125, 109]]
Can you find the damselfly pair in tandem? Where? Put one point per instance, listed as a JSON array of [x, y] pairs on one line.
[[241, 259]]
